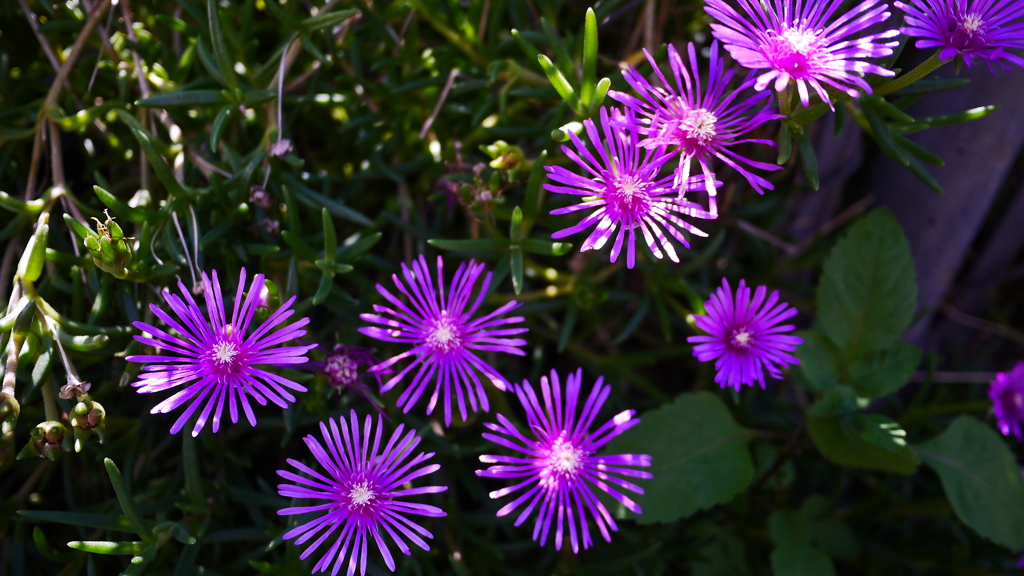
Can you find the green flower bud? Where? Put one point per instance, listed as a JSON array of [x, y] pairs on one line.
[[88, 418], [30, 267], [47, 440]]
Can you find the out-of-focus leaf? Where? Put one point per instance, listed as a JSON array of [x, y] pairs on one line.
[[534, 193], [881, 431], [982, 480], [801, 561], [100, 521], [867, 294], [836, 401], [700, 457], [841, 443], [880, 131], [225, 63], [819, 360], [884, 371], [327, 20], [809, 159], [932, 85]]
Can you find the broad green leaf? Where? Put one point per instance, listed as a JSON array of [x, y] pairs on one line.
[[836, 401], [885, 371], [700, 457], [982, 480], [841, 443], [881, 431], [819, 360], [801, 561], [183, 98], [790, 528], [867, 293]]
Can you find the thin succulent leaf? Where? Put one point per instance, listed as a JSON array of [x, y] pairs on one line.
[[599, 94], [219, 124], [785, 145], [225, 63], [128, 506], [184, 98], [546, 247], [589, 83], [163, 172], [19, 206], [107, 547], [931, 86], [560, 83], [480, 245], [326, 20], [946, 120], [515, 263], [330, 236], [880, 132], [918, 151]]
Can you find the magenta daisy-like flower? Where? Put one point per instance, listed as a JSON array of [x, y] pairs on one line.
[[986, 29], [362, 492], [745, 337], [216, 361], [1007, 394], [625, 192], [799, 41], [557, 467], [444, 336], [700, 123]]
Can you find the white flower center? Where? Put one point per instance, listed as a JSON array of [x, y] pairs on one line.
[[565, 459], [224, 352], [972, 23], [742, 338], [341, 369], [699, 126], [800, 39], [361, 495], [444, 336]]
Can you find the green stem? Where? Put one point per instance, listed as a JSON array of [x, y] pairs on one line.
[[49, 401], [785, 101], [925, 68]]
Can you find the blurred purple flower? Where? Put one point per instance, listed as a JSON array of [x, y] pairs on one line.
[[794, 40], [362, 494], [344, 366], [444, 336], [745, 337], [217, 360], [700, 124], [1007, 394], [987, 29], [625, 192], [558, 463]]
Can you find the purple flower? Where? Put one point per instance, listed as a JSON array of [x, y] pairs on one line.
[[745, 336], [362, 494], [700, 124], [343, 368], [215, 360], [558, 465], [625, 192], [444, 336], [794, 40], [1007, 394], [988, 29]]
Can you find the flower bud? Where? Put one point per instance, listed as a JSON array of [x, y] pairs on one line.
[[31, 264], [47, 440], [87, 418]]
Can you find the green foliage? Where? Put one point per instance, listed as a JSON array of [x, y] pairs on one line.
[[867, 294], [982, 480], [701, 457]]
